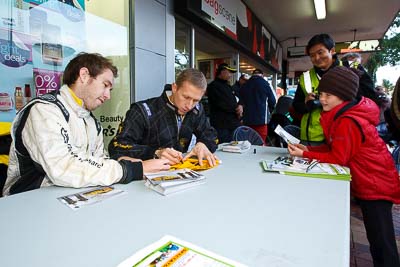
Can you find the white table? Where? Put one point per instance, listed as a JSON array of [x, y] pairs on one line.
[[256, 218]]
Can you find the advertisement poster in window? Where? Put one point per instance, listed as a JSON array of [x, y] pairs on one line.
[[206, 67], [35, 45], [38, 38]]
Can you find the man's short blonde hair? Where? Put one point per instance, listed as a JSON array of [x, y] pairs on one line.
[[194, 77]]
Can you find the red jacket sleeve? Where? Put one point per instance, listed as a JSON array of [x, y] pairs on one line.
[[346, 139], [320, 148]]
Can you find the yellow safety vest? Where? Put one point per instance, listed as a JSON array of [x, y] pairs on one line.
[[309, 82]]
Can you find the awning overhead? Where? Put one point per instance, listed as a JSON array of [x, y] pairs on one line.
[[345, 21]]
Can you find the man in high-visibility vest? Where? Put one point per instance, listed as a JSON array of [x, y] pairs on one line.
[[321, 49]]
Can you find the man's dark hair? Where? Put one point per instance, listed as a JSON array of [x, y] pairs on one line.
[[257, 71], [323, 38], [193, 76], [95, 63]]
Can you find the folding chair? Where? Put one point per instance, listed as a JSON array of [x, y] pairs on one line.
[[243, 133]]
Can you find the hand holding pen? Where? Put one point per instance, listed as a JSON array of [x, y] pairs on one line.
[[173, 156]]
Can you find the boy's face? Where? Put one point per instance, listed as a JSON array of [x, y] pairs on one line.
[[329, 101], [321, 57]]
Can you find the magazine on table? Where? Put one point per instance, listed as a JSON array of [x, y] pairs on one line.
[[172, 252], [89, 197], [168, 182], [298, 166], [236, 146]]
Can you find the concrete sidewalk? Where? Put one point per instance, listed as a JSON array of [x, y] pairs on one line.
[[359, 247]]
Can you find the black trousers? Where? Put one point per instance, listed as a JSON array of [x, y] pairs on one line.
[[378, 223]]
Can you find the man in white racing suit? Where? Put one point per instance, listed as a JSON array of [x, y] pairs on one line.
[[58, 141]]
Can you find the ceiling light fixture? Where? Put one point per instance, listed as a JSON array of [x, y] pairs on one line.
[[320, 9]]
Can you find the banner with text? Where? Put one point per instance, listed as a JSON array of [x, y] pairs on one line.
[[223, 12]]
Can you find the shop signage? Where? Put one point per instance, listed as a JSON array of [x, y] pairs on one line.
[[358, 46], [73, 10], [12, 55], [238, 22], [341, 48], [223, 12], [46, 81], [110, 124], [296, 51]]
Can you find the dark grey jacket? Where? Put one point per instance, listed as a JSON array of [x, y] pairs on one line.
[[152, 124]]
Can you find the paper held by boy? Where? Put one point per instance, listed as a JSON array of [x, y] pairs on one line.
[[290, 139]]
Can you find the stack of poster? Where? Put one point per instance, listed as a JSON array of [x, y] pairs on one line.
[[170, 251], [168, 182], [236, 146], [305, 167], [89, 197]]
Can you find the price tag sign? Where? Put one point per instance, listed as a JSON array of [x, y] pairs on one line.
[[46, 81]]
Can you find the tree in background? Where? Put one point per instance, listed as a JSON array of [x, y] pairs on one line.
[[387, 84], [390, 53]]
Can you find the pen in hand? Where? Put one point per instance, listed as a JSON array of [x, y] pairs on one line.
[[178, 156], [169, 153]]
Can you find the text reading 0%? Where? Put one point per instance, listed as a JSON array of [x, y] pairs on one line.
[[45, 81]]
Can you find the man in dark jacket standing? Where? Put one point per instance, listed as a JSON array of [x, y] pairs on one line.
[[258, 102], [224, 110]]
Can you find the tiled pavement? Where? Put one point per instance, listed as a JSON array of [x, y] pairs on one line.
[[359, 248]]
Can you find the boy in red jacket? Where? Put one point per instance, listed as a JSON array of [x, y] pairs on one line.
[[353, 141]]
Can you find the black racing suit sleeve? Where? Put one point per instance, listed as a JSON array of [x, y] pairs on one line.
[[204, 132], [298, 102], [132, 171], [130, 135]]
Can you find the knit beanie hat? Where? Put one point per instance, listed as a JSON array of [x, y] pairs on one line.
[[341, 82]]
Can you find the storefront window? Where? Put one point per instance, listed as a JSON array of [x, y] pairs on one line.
[[182, 46], [39, 37]]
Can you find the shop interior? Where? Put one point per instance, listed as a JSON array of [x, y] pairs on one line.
[[209, 53]]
